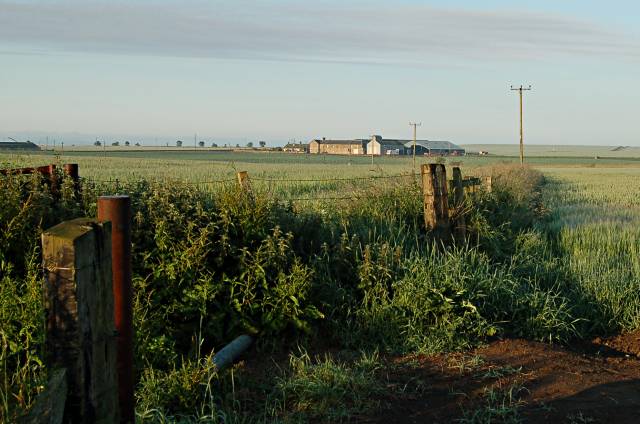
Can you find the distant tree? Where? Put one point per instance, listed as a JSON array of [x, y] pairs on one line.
[[179, 143], [250, 144], [214, 145], [137, 144], [115, 143], [126, 143], [97, 143], [201, 144], [262, 143]]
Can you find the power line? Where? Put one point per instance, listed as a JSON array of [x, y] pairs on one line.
[[520, 90]]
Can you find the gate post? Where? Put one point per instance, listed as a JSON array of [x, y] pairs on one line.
[[79, 313]]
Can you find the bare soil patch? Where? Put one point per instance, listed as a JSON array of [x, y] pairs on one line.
[[519, 381]]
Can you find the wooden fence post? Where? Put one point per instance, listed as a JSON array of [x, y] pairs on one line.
[[460, 225], [436, 205], [486, 181], [117, 210], [243, 180], [245, 184], [79, 310]]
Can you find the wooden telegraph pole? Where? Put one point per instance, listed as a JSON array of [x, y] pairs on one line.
[[414, 125], [520, 90]]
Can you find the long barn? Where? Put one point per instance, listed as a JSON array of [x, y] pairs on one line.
[[17, 145], [338, 147]]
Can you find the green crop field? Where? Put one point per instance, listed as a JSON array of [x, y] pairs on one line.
[[336, 288]]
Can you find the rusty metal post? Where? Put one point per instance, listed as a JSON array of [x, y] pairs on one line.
[[71, 171], [117, 209]]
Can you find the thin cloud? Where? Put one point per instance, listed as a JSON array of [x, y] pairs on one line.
[[324, 32]]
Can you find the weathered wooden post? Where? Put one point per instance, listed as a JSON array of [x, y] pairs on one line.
[[117, 210], [436, 205], [460, 225], [486, 182], [79, 310], [245, 184], [243, 180]]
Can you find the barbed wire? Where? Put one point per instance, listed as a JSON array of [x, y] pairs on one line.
[[373, 177], [320, 198], [252, 178], [128, 181]]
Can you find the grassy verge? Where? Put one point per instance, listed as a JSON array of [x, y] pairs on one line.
[[361, 274]]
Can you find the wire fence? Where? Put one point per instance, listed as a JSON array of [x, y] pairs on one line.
[[283, 189], [319, 189]]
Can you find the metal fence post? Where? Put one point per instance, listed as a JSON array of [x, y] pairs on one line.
[[117, 210]]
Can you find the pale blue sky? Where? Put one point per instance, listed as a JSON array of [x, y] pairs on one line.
[[277, 70]]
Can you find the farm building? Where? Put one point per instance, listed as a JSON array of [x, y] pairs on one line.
[[385, 146], [17, 145], [435, 148], [338, 147], [296, 148]]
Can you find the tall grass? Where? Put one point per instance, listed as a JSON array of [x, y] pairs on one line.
[[360, 273]]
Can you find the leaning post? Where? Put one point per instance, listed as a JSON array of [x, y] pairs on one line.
[[460, 229], [117, 210], [79, 318]]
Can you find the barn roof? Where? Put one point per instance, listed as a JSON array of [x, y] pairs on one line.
[[435, 144], [12, 144], [392, 142]]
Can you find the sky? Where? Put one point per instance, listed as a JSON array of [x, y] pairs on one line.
[[157, 71]]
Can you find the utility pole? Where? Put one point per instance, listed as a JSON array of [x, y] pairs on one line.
[[520, 90], [414, 125]]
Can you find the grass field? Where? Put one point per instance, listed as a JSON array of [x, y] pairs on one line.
[[552, 256], [192, 166]]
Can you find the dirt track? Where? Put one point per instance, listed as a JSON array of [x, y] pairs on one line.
[[518, 380]]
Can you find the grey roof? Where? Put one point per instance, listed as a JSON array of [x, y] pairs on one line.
[[390, 142], [434, 144]]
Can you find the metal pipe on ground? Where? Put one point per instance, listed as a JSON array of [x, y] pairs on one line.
[[228, 354]]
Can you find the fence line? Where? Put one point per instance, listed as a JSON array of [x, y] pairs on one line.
[[468, 184], [373, 177]]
